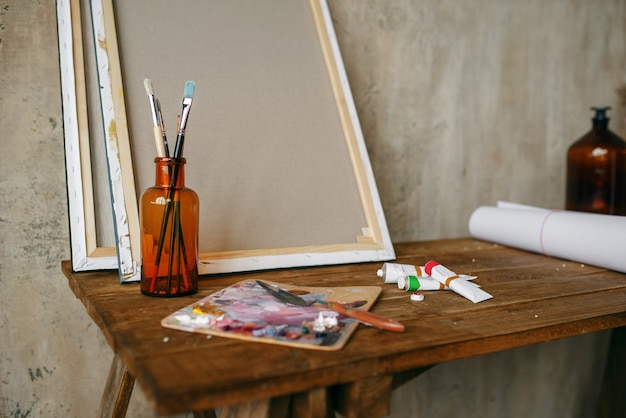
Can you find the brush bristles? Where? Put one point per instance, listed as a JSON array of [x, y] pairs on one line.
[[148, 85], [190, 88]]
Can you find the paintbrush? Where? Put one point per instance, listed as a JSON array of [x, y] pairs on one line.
[[190, 88], [368, 318], [156, 126], [162, 124]]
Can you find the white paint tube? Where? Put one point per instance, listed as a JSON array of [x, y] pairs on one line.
[[391, 272], [412, 283], [452, 280]]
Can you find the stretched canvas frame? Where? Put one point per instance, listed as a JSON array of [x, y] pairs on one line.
[[118, 102], [91, 230]]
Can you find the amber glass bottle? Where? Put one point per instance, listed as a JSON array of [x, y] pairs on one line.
[[596, 170], [168, 214]]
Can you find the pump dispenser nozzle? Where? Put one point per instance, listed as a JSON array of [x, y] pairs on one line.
[[600, 119]]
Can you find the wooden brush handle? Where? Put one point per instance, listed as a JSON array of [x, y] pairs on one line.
[[368, 318]]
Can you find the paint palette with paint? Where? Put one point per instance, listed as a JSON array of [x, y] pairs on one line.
[[246, 311]]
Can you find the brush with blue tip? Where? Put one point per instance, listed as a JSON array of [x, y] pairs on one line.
[[190, 88]]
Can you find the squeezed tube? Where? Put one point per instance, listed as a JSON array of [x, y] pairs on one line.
[[452, 280], [391, 272]]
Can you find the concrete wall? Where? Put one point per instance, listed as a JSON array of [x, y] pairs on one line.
[[462, 103]]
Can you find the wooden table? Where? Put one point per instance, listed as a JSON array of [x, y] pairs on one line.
[[535, 299]]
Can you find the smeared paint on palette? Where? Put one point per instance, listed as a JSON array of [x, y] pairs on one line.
[[246, 311]]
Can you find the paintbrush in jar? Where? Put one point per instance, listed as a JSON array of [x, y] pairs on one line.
[[172, 200], [162, 124], [190, 88], [156, 126]]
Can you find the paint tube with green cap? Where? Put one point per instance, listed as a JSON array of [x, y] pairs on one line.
[[413, 283]]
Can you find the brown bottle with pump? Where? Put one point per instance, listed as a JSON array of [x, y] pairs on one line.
[[596, 170]]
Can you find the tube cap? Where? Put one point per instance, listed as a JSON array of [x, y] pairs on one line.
[[428, 267], [417, 296]]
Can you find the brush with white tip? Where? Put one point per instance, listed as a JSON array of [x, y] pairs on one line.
[[156, 126]]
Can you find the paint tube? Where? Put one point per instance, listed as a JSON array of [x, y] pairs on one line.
[[412, 283], [452, 280], [391, 272]]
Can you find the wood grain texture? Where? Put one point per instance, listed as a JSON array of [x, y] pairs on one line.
[[536, 299]]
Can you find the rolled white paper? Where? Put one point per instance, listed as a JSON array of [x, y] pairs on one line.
[[589, 238], [458, 285]]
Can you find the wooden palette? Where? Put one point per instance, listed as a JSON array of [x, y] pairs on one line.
[[248, 312]]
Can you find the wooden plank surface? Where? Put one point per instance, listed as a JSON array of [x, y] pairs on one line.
[[536, 299]]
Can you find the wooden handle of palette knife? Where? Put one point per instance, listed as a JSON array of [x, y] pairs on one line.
[[368, 318]]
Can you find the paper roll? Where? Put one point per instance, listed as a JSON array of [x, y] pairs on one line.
[[588, 238]]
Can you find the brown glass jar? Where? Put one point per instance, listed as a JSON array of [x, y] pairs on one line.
[[596, 170], [169, 214]]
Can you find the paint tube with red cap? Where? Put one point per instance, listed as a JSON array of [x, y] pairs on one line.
[[452, 280]]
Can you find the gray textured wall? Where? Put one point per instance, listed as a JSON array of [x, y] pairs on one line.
[[461, 103]]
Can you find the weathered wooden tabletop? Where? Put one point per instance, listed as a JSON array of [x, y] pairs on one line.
[[535, 299]]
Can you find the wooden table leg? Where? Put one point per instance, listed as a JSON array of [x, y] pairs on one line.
[[401, 378], [119, 387], [204, 414], [252, 409], [315, 403], [312, 404], [612, 402], [365, 398]]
